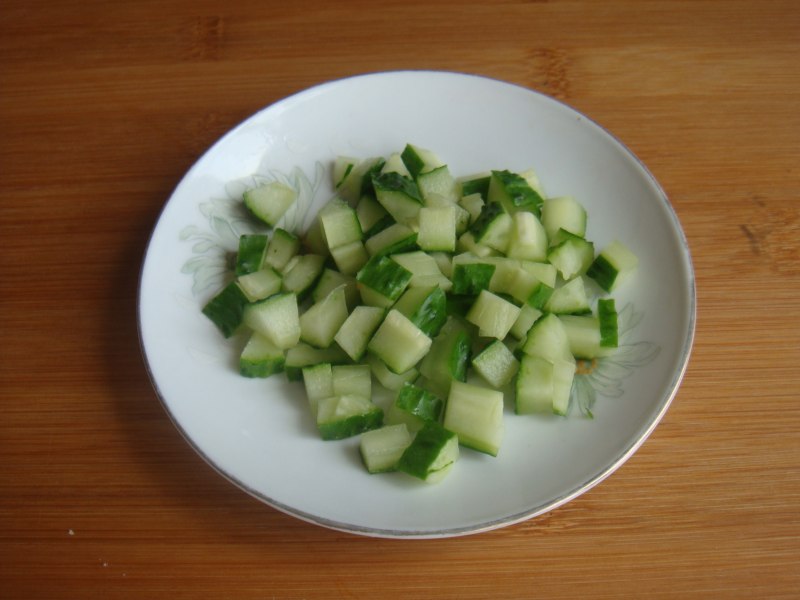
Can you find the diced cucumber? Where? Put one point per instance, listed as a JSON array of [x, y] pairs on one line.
[[437, 184], [544, 272], [572, 256], [356, 331], [382, 448], [431, 455], [399, 195], [613, 266], [398, 342], [424, 268], [583, 333], [331, 279], [370, 213], [437, 229], [413, 406], [260, 284], [250, 255], [448, 358], [269, 202], [339, 223], [394, 164], [282, 246], [302, 355], [563, 376], [352, 380], [473, 204], [384, 276], [534, 386], [277, 318], [320, 322], [609, 328], [547, 339], [522, 285], [260, 357], [301, 273], [419, 160], [342, 167], [392, 240], [527, 317], [527, 239], [466, 243], [496, 364], [569, 298], [318, 384], [493, 315], [387, 378], [475, 184], [475, 415], [226, 309], [514, 193], [563, 212], [340, 417], [350, 257], [471, 278], [314, 241], [493, 227], [358, 180], [424, 307]]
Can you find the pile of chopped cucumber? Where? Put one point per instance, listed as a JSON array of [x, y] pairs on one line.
[[452, 294]]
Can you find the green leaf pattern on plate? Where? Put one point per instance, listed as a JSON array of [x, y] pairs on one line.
[[214, 249]]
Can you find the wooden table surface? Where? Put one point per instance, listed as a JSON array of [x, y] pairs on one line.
[[103, 107]]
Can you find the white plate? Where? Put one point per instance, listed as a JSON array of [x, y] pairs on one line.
[[258, 433]]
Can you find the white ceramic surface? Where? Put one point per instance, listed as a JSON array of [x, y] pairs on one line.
[[258, 433]]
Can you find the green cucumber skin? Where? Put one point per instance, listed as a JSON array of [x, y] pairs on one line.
[[603, 273], [469, 279], [609, 328], [351, 426], [515, 193], [419, 402], [424, 450], [385, 276], [250, 255], [412, 160], [226, 309], [430, 315], [261, 368], [484, 221], [395, 182], [477, 185]]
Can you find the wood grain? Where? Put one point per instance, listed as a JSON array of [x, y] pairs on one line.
[[104, 105]]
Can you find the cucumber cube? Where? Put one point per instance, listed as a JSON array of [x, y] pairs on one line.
[[319, 324], [382, 448], [340, 417], [534, 386], [437, 229], [514, 193], [356, 331], [496, 364], [260, 284], [475, 415], [250, 254], [399, 343], [431, 455], [493, 315], [277, 318], [260, 357], [226, 309], [269, 202]]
